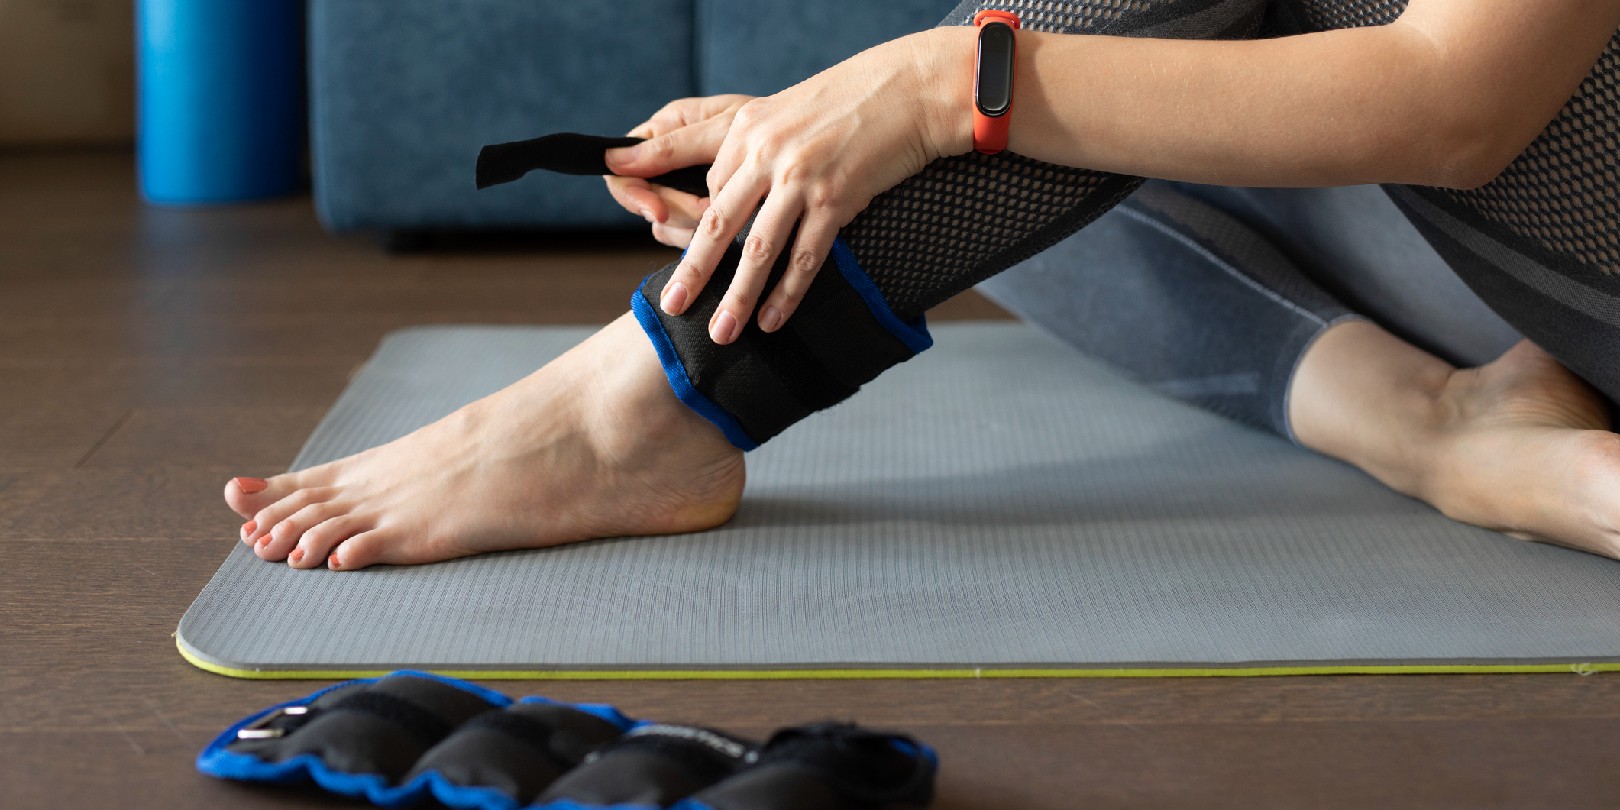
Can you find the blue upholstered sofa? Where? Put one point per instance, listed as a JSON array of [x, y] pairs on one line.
[[404, 92]]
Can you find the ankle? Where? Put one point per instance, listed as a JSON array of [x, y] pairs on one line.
[[1366, 397], [631, 414]]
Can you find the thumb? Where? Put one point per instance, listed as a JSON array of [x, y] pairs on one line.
[[694, 145]]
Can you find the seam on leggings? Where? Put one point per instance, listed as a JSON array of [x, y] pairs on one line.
[[1288, 389], [1225, 265]]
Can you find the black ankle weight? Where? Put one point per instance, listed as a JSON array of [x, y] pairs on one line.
[[842, 335], [829, 766], [653, 765], [411, 736]]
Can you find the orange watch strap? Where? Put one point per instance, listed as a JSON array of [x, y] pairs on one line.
[[990, 132]]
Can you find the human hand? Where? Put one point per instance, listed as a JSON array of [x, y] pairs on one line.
[[813, 155], [674, 214]]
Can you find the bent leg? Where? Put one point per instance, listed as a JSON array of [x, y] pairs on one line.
[[1183, 297], [596, 444], [960, 220], [1230, 299], [1538, 243]]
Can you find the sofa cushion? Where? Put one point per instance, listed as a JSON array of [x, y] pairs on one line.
[[404, 92], [747, 46]]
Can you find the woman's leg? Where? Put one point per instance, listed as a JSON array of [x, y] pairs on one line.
[[957, 222], [1522, 443], [1183, 297], [1539, 244], [1230, 299], [596, 444]]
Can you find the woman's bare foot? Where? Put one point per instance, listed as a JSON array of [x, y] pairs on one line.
[[592, 445], [1520, 445], [1523, 447]]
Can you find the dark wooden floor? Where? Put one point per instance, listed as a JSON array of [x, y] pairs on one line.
[[146, 355]]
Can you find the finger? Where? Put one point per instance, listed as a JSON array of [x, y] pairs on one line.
[[810, 249], [682, 210], [687, 111], [760, 248], [638, 197], [668, 117], [674, 237], [688, 146], [718, 226], [735, 151], [726, 163]]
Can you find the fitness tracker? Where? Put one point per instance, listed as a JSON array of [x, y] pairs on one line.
[[993, 80]]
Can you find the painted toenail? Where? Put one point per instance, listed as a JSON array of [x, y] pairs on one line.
[[297, 556], [332, 560], [251, 485], [248, 529]]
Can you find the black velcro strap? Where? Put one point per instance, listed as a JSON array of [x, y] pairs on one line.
[[573, 153], [420, 723], [768, 381]]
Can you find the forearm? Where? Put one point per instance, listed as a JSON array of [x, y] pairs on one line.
[[1364, 105]]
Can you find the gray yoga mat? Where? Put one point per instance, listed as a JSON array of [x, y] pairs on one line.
[[1000, 506]]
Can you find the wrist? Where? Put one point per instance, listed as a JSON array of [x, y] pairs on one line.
[[943, 61]]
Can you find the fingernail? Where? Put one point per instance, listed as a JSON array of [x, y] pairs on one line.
[[248, 529], [332, 560], [251, 485], [674, 300], [624, 155], [770, 319], [297, 556], [724, 328]]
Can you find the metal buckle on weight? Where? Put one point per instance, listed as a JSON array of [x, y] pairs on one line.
[[260, 729]]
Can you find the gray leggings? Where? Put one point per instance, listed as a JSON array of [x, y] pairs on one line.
[[1209, 294], [1212, 294]]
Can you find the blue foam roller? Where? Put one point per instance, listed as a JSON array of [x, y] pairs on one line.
[[221, 99]]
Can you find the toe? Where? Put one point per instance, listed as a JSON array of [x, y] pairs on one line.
[[318, 543], [246, 496], [284, 538], [361, 550], [266, 519]]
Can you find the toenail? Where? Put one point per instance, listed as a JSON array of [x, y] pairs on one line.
[[248, 529], [251, 485], [297, 555], [332, 560]]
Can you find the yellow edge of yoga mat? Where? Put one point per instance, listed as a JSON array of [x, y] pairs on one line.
[[877, 673]]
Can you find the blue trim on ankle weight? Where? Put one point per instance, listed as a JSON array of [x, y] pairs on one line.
[[216, 760], [675, 372], [914, 335]]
